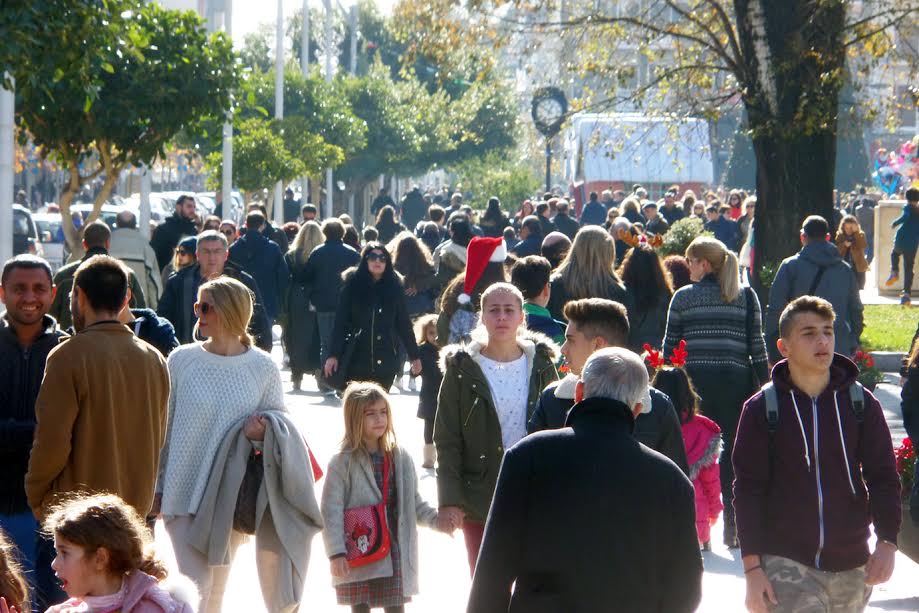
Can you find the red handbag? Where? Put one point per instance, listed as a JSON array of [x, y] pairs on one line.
[[367, 537]]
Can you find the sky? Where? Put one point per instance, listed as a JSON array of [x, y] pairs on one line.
[[248, 14]]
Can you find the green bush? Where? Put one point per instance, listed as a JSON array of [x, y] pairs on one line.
[[498, 174], [680, 234]]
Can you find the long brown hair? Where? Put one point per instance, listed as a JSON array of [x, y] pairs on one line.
[[411, 258], [588, 271], [645, 275], [13, 585], [97, 521]]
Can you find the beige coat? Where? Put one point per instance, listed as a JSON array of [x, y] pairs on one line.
[[350, 483], [283, 534]]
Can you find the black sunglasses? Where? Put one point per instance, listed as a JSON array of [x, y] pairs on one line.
[[204, 307], [377, 257]]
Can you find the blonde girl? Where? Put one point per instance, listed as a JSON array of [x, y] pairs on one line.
[[431, 378], [588, 271], [712, 315], [852, 244], [355, 479], [215, 385], [14, 591], [105, 561]]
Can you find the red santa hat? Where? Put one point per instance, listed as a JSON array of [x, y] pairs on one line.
[[480, 252]]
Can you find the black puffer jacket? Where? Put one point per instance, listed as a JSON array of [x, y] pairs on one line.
[[322, 276], [168, 235], [379, 313], [659, 429], [21, 371]]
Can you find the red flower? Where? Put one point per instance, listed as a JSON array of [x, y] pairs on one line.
[[869, 361]]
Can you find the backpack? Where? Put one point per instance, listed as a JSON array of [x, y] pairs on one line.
[[856, 397]]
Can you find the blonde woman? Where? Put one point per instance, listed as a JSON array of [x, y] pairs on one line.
[[588, 271], [215, 384], [299, 321], [722, 326]]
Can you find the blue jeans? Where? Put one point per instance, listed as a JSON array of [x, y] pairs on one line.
[[22, 529]]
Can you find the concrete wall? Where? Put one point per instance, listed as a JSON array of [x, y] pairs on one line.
[[884, 213]]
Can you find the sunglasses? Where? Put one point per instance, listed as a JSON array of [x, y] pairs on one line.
[[184, 252], [204, 308], [376, 257]]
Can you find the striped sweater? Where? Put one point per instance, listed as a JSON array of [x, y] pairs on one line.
[[716, 331]]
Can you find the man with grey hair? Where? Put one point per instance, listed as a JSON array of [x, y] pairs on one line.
[[177, 304], [132, 248], [586, 518]]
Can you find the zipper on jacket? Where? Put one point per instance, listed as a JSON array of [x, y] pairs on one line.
[[373, 320], [819, 485]]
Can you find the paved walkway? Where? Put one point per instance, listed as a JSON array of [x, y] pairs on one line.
[[444, 576]]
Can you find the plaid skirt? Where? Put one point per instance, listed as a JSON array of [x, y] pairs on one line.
[[384, 591]]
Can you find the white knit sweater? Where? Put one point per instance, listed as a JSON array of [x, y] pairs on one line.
[[209, 394]]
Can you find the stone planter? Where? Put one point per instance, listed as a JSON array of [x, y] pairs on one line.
[[908, 539]]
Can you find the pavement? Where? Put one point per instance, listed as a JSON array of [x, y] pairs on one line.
[[444, 573]]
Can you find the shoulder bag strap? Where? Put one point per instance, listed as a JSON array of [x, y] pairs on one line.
[[816, 281], [387, 465]]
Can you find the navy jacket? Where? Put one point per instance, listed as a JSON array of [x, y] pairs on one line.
[[262, 259], [559, 532], [21, 371], [727, 231], [831, 478], [566, 225], [907, 236], [531, 245], [594, 214], [322, 276], [157, 331]]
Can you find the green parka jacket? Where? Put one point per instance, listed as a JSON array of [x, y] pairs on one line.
[[466, 430]]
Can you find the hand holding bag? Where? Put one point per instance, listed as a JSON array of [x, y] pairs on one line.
[[338, 380], [367, 537]]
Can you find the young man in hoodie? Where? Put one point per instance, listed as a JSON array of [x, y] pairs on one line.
[[808, 485], [531, 276], [595, 323]]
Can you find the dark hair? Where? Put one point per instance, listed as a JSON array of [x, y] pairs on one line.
[[308, 208], [333, 229], [96, 234], [815, 227], [387, 216], [351, 237], [25, 261], [562, 207], [495, 272], [642, 272], [411, 259], [259, 207], [370, 234], [436, 213], [361, 274], [675, 382], [804, 304], [104, 281], [181, 200], [678, 268], [531, 275], [254, 220], [712, 208], [541, 208], [493, 211], [461, 230], [912, 194], [593, 196], [600, 317], [125, 219], [531, 223]]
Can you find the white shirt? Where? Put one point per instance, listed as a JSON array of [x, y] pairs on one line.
[[510, 387]]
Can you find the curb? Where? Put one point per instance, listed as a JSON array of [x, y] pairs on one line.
[[888, 361]]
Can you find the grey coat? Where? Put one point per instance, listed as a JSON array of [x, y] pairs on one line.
[[350, 483], [838, 286]]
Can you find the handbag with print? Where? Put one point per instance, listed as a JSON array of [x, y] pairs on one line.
[[367, 537]]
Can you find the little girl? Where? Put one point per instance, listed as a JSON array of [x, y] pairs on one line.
[[431, 377], [852, 244], [355, 479], [702, 438], [105, 561], [14, 591]]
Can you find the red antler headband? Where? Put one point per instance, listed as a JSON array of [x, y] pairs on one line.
[[677, 358], [654, 357]]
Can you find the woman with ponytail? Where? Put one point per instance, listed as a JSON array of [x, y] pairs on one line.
[[722, 326], [215, 384]]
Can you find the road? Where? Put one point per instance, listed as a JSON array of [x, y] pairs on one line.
[[444, 577]]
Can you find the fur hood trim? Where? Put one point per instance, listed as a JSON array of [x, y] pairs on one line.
[[529, 341], [711, 455]]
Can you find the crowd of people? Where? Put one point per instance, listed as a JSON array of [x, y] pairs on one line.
[[568, 374]]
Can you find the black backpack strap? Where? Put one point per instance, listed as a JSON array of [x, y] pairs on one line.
[[816, 281], [857, 397]]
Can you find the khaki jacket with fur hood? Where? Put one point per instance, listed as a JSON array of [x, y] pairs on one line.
[[466, 430]]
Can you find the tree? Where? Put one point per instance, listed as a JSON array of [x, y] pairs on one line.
[[150, 72], [782, 60], [496, 174]]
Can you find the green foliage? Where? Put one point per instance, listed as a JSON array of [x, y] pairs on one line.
[[888, 327], [767, 272], [680, 234], [511, 180], [260, 158]]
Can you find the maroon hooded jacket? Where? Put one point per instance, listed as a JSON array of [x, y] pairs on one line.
[[832, 476]]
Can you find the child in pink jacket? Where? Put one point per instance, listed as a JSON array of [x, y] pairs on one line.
[[105, 563], [702, 438]]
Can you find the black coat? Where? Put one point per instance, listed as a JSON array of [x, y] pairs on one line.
[[431, 378], [261, 259], [566, 225], [559, 297], [494, 228], [388, 231], [167, 236], [531, 245], [21, 371], [585, 519], [546, 225], [322, 276], [178, 301], [414, 209], [659, 429], [377, 316], [300, 335]]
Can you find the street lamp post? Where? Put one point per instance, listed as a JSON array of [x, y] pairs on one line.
[[279, 103], [7, 153], [305, 68], [226, 185]]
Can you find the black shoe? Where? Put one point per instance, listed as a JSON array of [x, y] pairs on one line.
[[730, 535], [707, 546]]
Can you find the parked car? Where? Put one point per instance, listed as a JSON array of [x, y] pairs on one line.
[[25, 232], [237, 209], [49, 225], [108, 214]]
